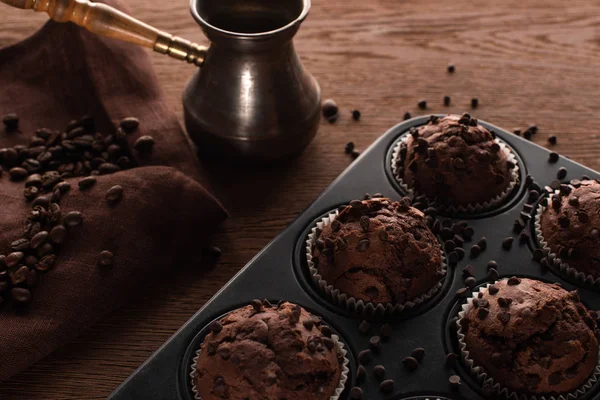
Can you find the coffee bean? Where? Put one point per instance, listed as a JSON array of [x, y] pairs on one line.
[[20, 295], [20, 275], [108, 168], [129, 124], [11, 122], [20, 245], [13, 259], [422, 104], [114, 194], [106, 259], [73, 219], [87, 183], [17, 174], [63, 187], [38, 239], [44, 250], [58, 234]]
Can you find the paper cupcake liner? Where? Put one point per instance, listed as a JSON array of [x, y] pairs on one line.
[[482, 377], [352, 304], [553, 258], [341, 349], [470, 208]]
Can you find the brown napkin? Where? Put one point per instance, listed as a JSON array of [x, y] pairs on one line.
[[165, 216]]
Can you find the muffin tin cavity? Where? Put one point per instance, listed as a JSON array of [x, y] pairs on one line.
[[346, 305], [187, 367], [493, 206]]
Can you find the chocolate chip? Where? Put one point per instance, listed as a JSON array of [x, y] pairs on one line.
[[482, 313], [496, 359], [355, 154], [422, 104], [375, 343], [418, 353], [462, 293], [562, 173], [474, 102], [361, 374], [364, 223], [356, 115], [507, 243], [493, 289], [517, 131], [469, 270], [451, 68], [538, 254], [410, 363], [325, 330], [460, 252], [513, 281], [257, 305], [349, 148], [447, 100], [555, 378], [493, 274], [482, 243], [364, 327], [553, 157], [329, 343], [454, 381], [451, 359], [379, 372], [356, 393], [475, 250], [471, 282], [407, 116], [504, 302], [564, 222], [308, 324], [330, 108], [383, 235], [386, 331], [216, 327], [363, 245], [583, 217], [365, 356], [387, 386]]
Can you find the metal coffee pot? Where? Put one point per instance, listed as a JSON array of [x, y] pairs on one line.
[[251, 100]]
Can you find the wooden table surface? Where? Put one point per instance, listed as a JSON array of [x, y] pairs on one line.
[[527, 62]]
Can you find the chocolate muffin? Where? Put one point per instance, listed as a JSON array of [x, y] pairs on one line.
[[532, 337], [454, 161], [571, 226], [265, 352], [379, 251]]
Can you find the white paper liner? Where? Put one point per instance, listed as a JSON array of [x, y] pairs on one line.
[[356, 305], [485, 380], [341, 349], [470, 208], [554, 259]]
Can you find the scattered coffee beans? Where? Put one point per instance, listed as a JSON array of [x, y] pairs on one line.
[[105, 259], [52, 156], [114, 194]]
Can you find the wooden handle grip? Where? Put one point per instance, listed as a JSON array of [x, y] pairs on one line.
[[108, 21]]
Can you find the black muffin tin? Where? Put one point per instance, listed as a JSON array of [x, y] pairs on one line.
[[279, 272]]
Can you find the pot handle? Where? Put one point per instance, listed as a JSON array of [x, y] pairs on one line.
[[107, 21]]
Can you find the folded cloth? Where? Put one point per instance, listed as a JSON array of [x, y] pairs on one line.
[[165, 214]]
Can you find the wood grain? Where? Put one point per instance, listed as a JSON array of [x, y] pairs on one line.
[[526, 61]]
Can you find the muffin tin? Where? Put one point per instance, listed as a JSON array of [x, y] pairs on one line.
[[279, 271]]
